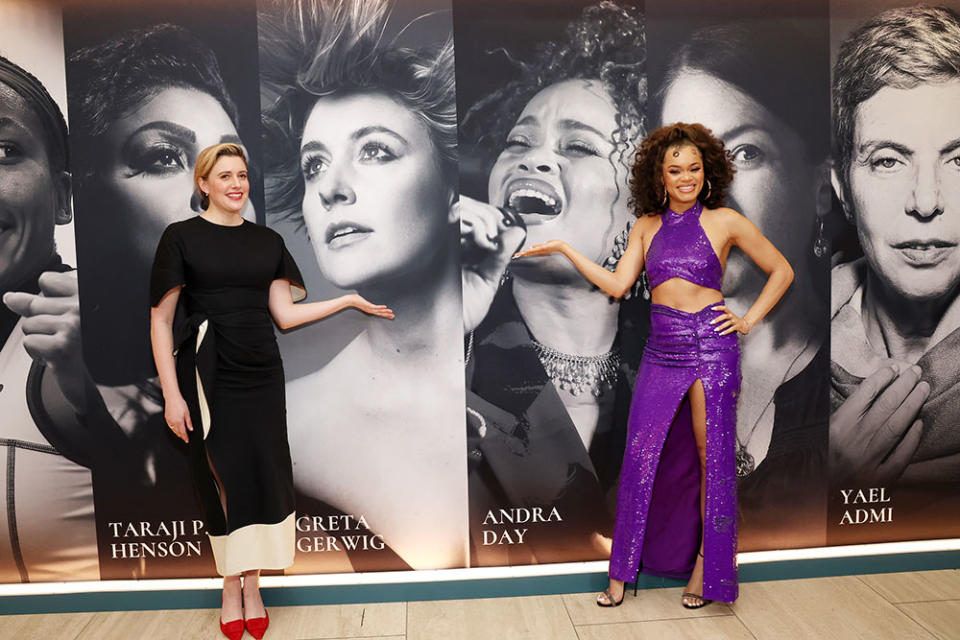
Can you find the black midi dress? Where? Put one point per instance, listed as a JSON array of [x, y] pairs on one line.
[[231, 376]]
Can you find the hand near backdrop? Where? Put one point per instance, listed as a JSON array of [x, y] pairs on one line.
[[51, 327]]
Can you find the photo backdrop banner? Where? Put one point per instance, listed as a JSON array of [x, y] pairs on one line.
[[404, 150]]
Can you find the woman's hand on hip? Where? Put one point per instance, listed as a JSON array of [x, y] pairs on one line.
[[729, 321], [177, 415], [488, 238], [875, 432]]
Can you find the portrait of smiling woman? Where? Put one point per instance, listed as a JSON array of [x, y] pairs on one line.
[[362, 142], [143, 103], [895, 323]]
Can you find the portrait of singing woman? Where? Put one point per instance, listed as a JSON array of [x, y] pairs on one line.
[[362, 146], [549, 362], [765, 93], [143, 103], [895, 322]]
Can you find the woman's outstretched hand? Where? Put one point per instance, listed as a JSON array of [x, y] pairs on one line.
[[488, 237], [542, 249], [729, 321], [379, 310]]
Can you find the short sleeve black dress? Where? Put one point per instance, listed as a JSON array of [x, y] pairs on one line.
[[230, 373]]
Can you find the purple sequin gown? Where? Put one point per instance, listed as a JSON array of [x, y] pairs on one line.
[[658, 525]]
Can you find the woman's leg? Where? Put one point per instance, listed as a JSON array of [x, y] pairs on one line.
[[252, 603], [232, 607], [698, 415]]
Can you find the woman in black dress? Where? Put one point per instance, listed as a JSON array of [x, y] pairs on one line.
[[224, 394]]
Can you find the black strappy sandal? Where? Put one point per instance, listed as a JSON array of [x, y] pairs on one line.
[[703, 601], [610, 601]]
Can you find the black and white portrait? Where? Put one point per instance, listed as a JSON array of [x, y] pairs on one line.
[[360, 126], [761, 84], [47, 528], [148, 87], [895, 316], [551, 108]]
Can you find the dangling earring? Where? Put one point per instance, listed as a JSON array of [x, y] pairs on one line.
[[709, 187], [663, 203], [820, 246]]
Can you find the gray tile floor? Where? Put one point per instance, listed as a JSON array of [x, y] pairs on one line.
[[898, 606]]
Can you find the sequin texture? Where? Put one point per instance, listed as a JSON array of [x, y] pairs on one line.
[[658, 531], [681, 249]]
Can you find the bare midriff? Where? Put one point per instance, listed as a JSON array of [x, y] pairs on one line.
[[683, 295]]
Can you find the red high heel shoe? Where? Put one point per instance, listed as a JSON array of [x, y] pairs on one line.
[[258, 626], [234, 628]]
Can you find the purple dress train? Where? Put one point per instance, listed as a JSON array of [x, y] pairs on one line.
[[658, 525]]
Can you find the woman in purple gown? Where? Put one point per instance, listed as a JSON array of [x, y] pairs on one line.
[[677, 503]]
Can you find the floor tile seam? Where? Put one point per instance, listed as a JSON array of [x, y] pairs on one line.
[[376, 635], [711, 615], [928, 600], [744, 624], [84, 627], [932, 633], [563, 601], [860, 579]]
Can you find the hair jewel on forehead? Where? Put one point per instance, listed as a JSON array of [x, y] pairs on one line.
[[676, 152]]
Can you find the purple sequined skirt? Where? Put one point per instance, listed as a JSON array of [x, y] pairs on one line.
[[658, 523]]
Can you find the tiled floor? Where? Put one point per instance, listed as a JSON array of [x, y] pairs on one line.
[[898, 606]]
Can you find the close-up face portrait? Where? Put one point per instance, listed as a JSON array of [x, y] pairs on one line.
[[227, 184], [904, 187], [560, 171], [375, 202], [151, 152], [681, 172], [774, 186], [33, 196]]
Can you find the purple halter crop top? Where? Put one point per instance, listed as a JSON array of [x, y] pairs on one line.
[[681, 249]]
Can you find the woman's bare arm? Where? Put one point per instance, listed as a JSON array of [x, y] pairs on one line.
[[175, 410], [615, 283], [288, 315], [747, 236]]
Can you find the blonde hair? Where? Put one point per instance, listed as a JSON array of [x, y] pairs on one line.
[[205, 161]]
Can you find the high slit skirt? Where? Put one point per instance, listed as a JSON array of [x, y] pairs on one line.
[[658, 525]]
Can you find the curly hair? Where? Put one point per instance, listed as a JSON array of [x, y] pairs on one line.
[[607, 42], [119, 75], [646, 175], [310, 49], [899, 48]]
